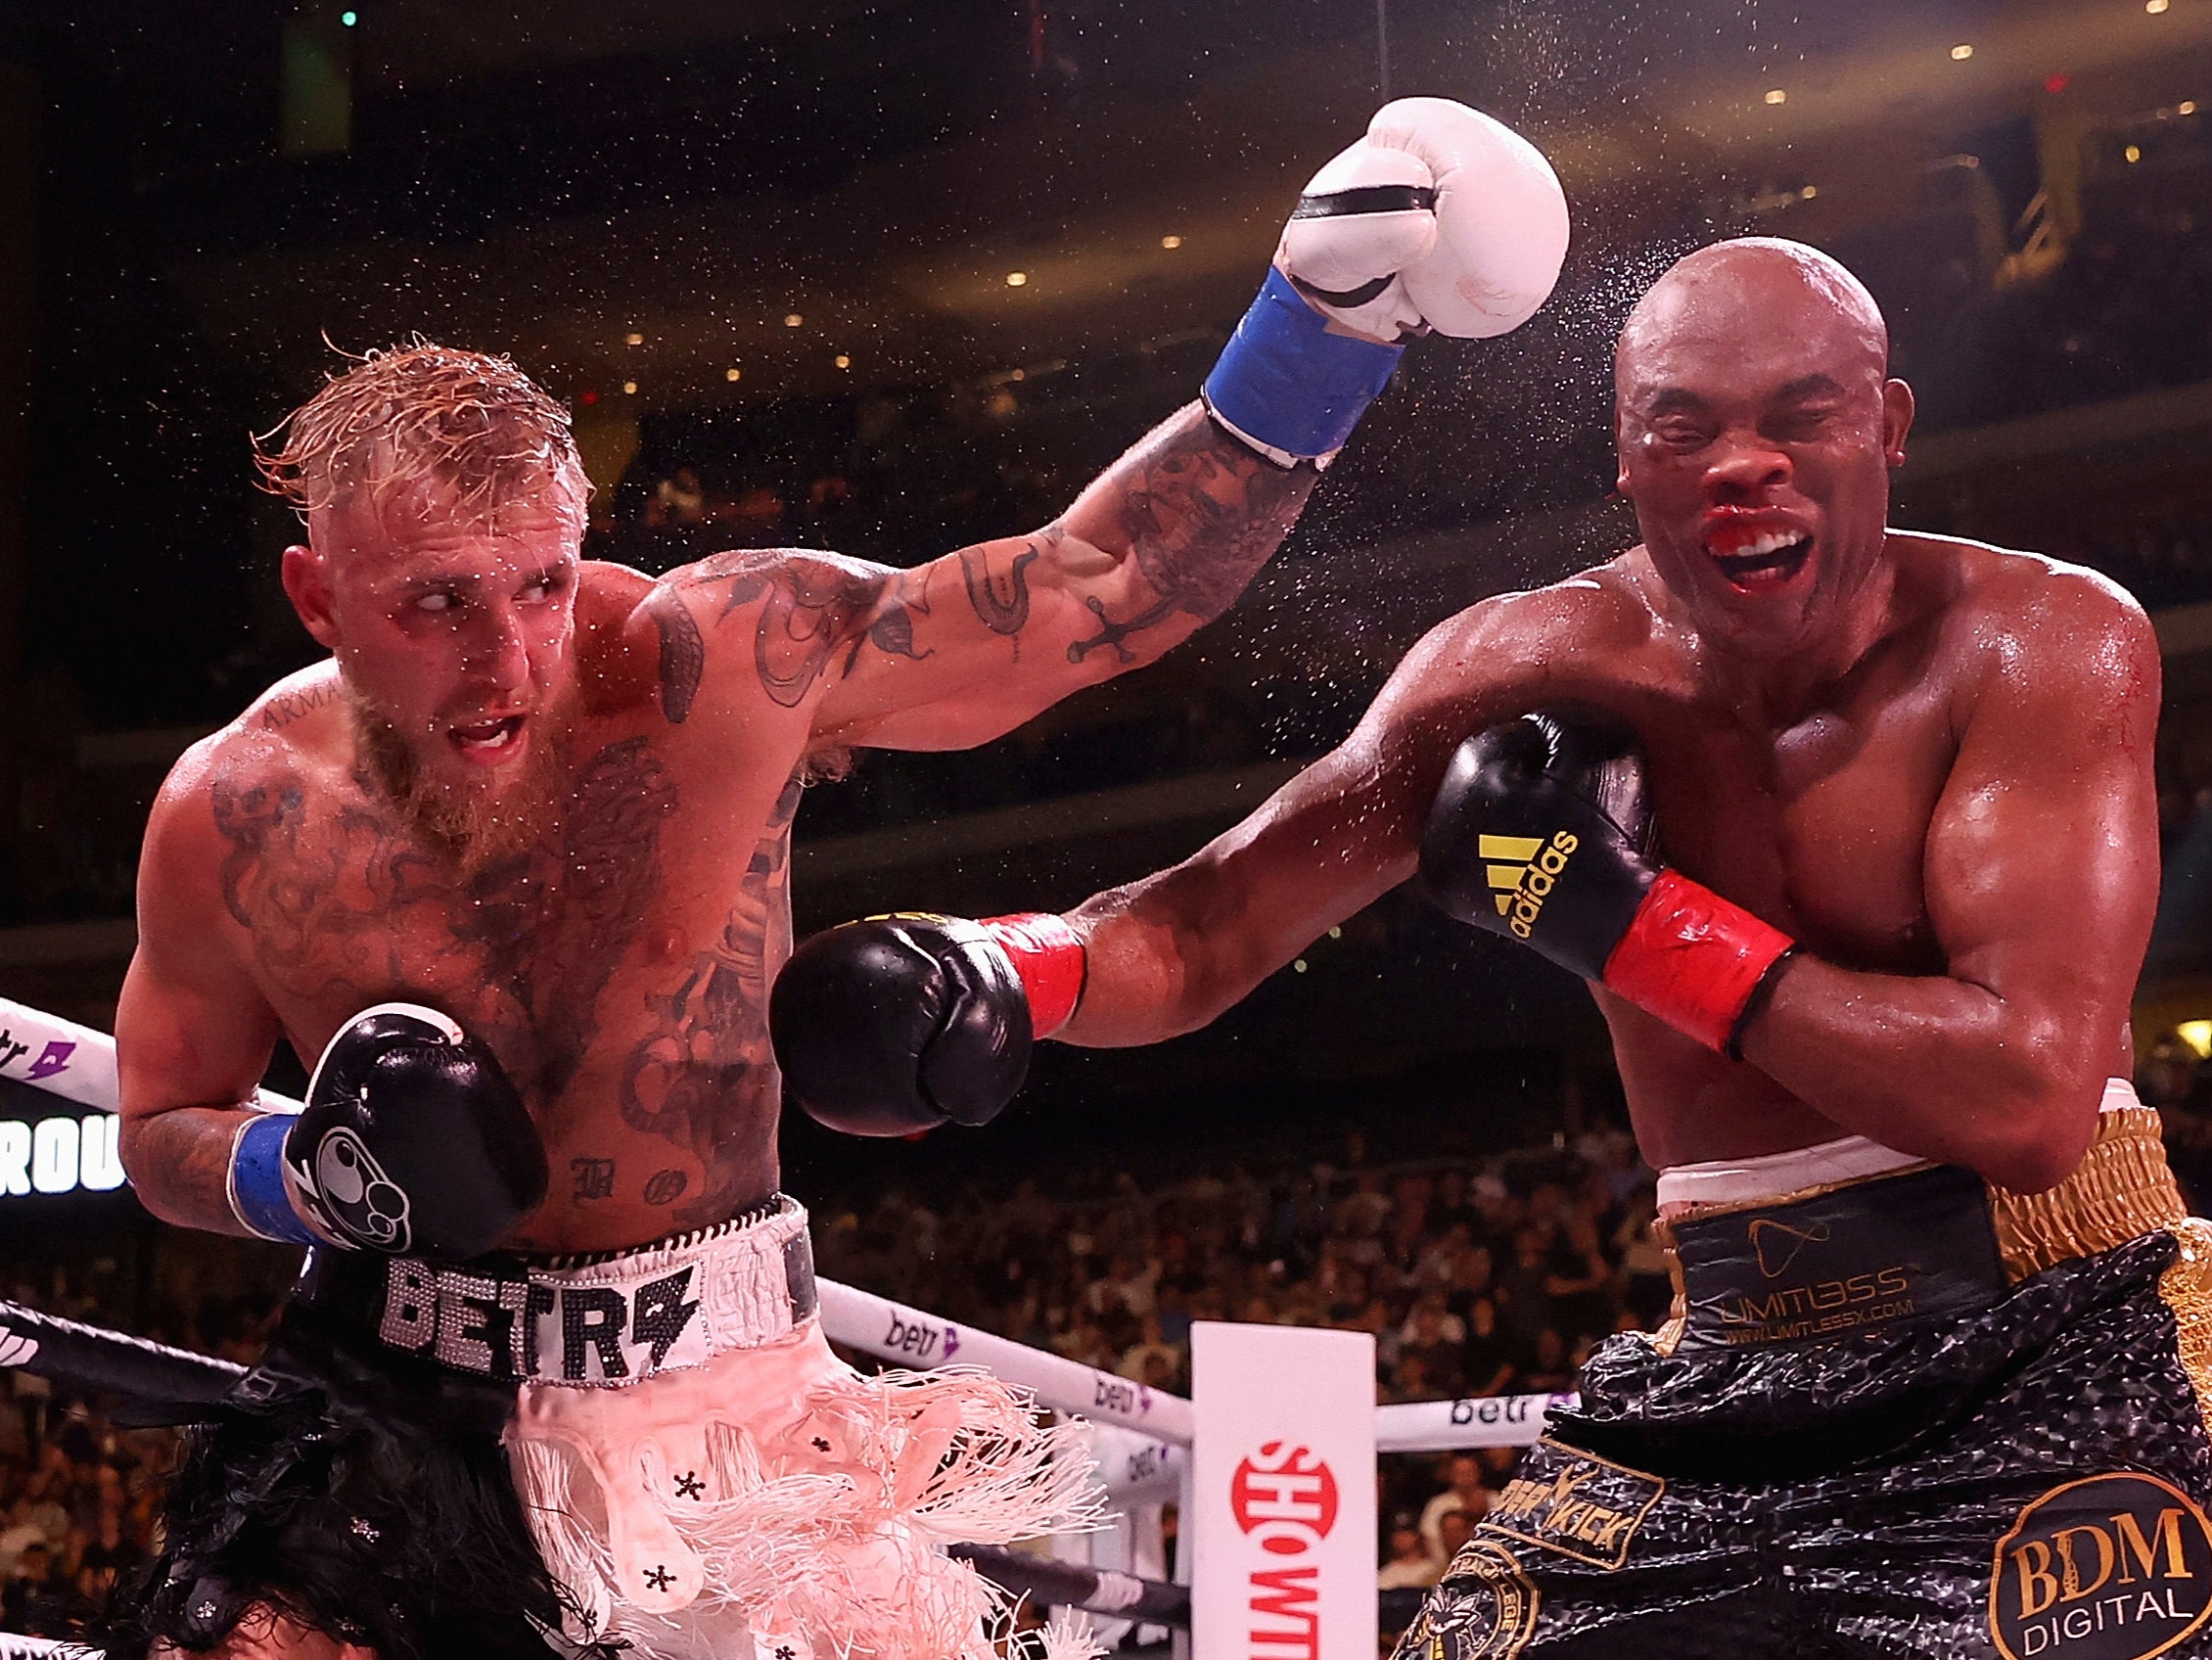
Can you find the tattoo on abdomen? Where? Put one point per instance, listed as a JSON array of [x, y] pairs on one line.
[[594, 1179], [706, 1065]]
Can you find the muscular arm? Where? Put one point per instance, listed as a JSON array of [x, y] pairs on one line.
[[2042, 877], [193, 1033], [963, 648], [1169, 953]]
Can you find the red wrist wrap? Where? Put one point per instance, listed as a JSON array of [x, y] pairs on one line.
[[1048, 955], [1693, 958]]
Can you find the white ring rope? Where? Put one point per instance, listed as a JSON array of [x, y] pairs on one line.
[[79, 1063]]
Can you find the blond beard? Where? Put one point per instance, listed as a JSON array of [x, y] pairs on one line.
[[469, 826]]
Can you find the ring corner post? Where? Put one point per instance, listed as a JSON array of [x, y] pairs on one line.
[[1282, 1524]]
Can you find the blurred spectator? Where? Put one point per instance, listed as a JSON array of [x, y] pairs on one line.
[[1408, 1566], [1463, 1492], [1484, 1365], [1454, 1528], [1647, 1291]]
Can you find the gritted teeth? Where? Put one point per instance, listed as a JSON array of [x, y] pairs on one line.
[[1769, 561], [1760, 546]]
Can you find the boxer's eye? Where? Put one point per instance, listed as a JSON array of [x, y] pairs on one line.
[[1802, 426], [437, 602]]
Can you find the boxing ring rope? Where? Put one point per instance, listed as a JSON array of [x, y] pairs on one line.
[[79, 1063], [1141, 1437]]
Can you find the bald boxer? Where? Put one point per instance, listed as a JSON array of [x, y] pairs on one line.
[[1851, 830], [513, 862]]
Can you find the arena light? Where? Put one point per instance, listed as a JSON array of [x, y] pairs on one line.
[[793, 320], [1808, 193], [1960, 53], [348, 18], [633, 338], [733, 374], [2197, 1035], [2134, 154], [2155, 7], [1016, 279], [842, 362], [1777, 96], [2187, 107], [630, 388], [1171, 241]]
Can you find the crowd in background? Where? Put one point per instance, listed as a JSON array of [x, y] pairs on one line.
[[1475, 1276]]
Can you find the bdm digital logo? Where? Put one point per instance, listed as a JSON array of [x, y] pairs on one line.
[[1286, 1499], [2114, 1567], [1521, 871]]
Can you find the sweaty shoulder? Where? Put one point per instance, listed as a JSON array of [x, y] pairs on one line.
[[1564, 640], [2032, 622], [232, 789]]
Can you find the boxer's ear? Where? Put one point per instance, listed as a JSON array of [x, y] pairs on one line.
[[307, 583], [1897, 420]]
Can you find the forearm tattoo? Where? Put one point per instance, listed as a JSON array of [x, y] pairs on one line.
[[1205, 513], [1200, 514]]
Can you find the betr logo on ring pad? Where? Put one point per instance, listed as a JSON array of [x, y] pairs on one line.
[[2110, 1567]]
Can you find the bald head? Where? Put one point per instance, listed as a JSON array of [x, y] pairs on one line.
[[1757, 428], [1754, 289]]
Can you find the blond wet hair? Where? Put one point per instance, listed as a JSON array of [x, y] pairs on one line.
[[468, 429]]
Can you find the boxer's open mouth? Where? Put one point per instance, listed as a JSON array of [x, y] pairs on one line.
[[1763, 561], [486, 740]]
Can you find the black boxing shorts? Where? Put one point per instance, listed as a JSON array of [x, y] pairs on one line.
[[1904, 1416], [364, 1494]]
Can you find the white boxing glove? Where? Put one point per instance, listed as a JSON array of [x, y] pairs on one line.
[[1439, 219]]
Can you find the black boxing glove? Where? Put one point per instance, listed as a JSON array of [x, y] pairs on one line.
[[1543, 832], [904, 1022], [413, 1140]]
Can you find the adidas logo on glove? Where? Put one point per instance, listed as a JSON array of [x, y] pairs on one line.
[[1522, 870]]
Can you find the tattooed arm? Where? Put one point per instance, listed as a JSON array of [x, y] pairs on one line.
[[961, 649], [193, 1033]]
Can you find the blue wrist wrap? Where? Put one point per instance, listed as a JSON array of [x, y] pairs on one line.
[[256, 1181], [1286, 382]]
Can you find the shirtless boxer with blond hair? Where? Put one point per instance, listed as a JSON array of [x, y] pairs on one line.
[[513, 862], [1852, 831]]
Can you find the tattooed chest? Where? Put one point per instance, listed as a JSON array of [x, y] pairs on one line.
[[344, 908]]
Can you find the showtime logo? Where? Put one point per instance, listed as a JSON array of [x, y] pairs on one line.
[[1285, 1498]]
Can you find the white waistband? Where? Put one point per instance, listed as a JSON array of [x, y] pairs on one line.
[[609, 1320], [1850, 1158]]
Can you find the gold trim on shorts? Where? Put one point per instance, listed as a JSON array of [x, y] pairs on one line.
[[2187, 1289], [2121, 1190]]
